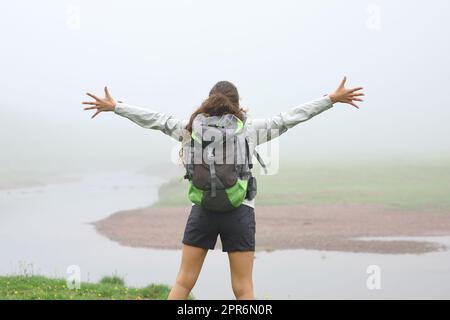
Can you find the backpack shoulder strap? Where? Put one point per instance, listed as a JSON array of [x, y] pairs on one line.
[[257, 155]]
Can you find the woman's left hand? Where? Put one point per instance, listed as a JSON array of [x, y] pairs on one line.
[[344, 95]]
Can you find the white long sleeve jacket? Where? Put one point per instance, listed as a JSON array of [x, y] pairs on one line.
[[258, 131]]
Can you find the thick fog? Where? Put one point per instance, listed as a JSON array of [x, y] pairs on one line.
[[166, 55]]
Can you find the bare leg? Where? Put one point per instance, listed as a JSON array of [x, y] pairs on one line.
[[241, 267], [191, 264]]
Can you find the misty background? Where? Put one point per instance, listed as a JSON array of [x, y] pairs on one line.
[[166, 55]]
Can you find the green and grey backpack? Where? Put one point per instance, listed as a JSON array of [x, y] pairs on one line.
[[218, 163]]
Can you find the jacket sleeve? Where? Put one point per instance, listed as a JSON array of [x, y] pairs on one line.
[[150, 119], [270, 128]]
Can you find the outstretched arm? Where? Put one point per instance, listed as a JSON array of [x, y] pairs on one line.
[[145, 118], [270, 128]]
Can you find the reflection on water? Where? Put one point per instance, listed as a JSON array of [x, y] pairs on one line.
[[48, 227]]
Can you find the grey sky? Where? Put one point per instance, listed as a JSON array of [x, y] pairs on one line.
[[166, 55]]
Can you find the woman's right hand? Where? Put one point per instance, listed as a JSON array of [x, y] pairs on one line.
[[105, 104]]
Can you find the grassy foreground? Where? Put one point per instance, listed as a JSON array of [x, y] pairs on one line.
[[43, 288], [407, 185]]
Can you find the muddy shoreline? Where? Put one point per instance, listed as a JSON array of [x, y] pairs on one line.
[[324, 227]]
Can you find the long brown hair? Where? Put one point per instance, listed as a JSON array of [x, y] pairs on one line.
[[223, 99]]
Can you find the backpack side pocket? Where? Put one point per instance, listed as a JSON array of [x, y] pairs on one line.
[[251, 188]]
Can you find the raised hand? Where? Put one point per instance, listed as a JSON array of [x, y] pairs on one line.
[[105, 104], [344, 95]]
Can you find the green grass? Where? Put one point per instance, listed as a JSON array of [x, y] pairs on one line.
[[26, 287], [112, 280], [409, 185], [172, 193]]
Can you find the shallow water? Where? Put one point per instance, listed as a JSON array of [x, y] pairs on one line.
[[45, 229]]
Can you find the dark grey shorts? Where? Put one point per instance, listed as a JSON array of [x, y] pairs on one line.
[[236, 228]]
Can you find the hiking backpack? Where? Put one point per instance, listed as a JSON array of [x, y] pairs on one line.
[[218, 163]]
